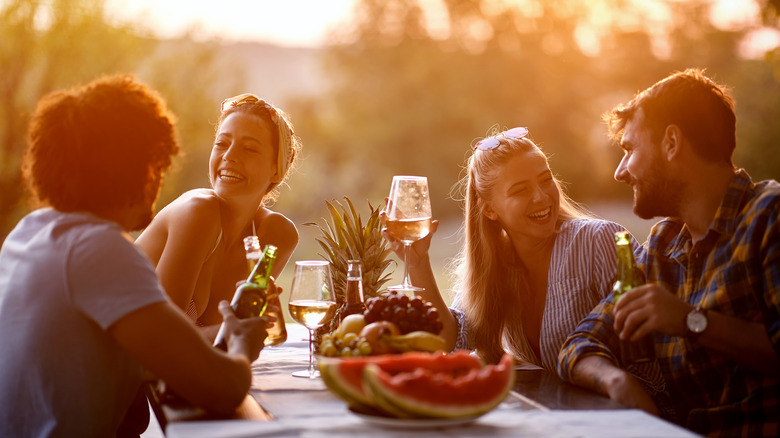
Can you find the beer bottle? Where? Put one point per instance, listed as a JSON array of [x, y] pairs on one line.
[[277, 334], [642, 350], [353, 292], [250, 298]]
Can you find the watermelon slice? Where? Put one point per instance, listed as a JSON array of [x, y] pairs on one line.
[[437, 393], [344, 376]]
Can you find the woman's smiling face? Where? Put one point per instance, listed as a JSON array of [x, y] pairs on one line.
[[243, 159], [524, 198]]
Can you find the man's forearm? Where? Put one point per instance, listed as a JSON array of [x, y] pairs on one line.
[[601, 375], [596, 373]]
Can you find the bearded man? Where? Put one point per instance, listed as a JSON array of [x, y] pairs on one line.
[[712, 267]]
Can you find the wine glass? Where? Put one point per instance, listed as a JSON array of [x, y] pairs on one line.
[[408, 218], [312, 302]]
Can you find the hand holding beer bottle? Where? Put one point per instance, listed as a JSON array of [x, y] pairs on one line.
[[251, 298], [642, 350], [277, 334]]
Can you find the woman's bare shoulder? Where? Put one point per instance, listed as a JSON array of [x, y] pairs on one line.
[[273, 223], [269, 219], [194, 213], [197, 209], [197, 202]]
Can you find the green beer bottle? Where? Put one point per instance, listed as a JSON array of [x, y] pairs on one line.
[[250, 298], [642, 350]]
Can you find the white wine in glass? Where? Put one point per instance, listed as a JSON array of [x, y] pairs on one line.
[[312, 302], [310, 313], [408, 217]]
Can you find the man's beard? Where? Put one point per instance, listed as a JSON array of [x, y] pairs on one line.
[[657, 194]]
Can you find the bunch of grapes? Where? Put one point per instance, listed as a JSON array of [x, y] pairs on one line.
[[408, 314]]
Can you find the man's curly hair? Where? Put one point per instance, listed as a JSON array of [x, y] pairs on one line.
[[99, 146]]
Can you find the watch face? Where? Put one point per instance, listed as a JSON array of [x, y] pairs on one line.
[[697, 321]]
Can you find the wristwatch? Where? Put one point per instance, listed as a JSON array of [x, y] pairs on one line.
[[696, 322]]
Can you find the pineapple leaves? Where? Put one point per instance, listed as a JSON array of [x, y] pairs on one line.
[[345, 237]]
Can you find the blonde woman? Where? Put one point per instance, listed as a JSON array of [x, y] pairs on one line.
[[533, 263], [196, 241]]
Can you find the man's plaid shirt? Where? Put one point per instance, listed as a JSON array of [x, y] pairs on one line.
[[733, 270]]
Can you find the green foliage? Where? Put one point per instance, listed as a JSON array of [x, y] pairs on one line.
[[399, 97], [409, 101], [345, 237], [75, 44], [62, 43]]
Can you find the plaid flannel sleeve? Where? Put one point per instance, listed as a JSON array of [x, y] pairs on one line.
[[595, 335], [771, 267]]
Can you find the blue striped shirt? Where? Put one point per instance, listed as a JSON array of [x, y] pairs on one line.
[[582, 270]]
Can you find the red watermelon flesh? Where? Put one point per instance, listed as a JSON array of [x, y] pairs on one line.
[[426, 393], [344, 377]]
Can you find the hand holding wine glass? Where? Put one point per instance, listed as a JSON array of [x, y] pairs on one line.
[[312, 302], [418, 251], [408, 217]]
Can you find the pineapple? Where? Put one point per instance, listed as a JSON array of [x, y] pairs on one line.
[[346, 238]]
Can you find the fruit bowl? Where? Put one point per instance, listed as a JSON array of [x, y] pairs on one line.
[[419, 385]]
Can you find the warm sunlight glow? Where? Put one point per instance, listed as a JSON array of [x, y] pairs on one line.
[[728, 14], [309, 22], [288, 22]]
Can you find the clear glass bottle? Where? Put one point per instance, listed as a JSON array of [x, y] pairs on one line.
[[250, 298], [353, 291], [253, 251], [642, 350]]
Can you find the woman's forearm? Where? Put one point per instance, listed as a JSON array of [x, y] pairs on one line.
[[422, 276]]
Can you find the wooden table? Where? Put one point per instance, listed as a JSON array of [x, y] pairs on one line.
[[281, 405]]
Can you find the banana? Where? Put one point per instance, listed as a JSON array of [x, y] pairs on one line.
[[416, 341]]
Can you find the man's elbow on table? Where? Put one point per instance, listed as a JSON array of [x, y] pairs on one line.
[[224, 391]]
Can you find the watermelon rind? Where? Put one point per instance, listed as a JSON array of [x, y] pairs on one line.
[[395, 402], [354, 396]]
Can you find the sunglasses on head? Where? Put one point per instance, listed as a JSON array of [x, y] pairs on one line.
[[489, 143], [241, 99]]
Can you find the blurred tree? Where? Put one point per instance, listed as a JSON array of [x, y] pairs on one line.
[[412, 103], [408, 98], [48, 46], [61, 43]]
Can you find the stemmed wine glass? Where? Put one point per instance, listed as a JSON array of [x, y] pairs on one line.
[[312, 302], [408, 217]]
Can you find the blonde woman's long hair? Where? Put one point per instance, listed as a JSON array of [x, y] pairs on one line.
[[485, 262]]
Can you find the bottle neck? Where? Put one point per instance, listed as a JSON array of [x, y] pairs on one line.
[[262, 270]]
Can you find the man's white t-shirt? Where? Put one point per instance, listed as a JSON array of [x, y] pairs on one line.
[[65, 278]]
